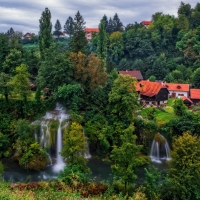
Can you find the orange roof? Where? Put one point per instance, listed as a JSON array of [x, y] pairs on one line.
[[146, 22], [185, 98], [92, 30], [134, 73], [178, 87], [148, 88], [195, 93]]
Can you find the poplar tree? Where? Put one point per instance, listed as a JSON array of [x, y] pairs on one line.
[[45, 35], [102, 42], [78, 41], [69, 27]]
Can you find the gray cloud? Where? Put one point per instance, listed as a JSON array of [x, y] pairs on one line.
[[24, 15]]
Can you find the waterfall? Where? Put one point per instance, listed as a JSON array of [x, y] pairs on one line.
[[46, 138], [159, 149], [87, 154]]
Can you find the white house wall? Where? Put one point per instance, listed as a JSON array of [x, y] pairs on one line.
[[179, 94]]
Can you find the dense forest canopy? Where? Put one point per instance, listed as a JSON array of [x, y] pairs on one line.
[[36, 73]]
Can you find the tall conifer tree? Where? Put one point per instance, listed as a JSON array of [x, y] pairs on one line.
[[58, 28], [45, 35], [69, 27], [78, 41]]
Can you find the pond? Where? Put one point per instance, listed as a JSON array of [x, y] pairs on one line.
[[100, 171]]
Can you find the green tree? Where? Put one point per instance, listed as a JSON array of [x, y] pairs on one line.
[[45, 35], [74, 145], [78, 41], [105, 20], [184, 171], [152, 183], [20, 81], [116, 46], [117, 24], [56, 71], [58, 29], [69, 27], [4, 49], [179, 107], [13, 59], [10, 33], [126, 158], [102, 42], [196, 78], [4, 86], [123, 98]]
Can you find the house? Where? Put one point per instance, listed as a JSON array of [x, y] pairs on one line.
[[146, 23], [28, 36], [178, 90], [195, 96], [152, 92], [89, 31], [187, 101], [134, 73], [62, 35]]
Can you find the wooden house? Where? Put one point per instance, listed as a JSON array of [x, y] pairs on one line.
[[152, 92], [188, 102], [195, 96], [133, 73], [177, 90]]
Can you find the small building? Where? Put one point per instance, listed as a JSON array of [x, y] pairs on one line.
[[89, 32], [152, 93], [133, 73], [177, 90], [195, 96], [187, 101], [146, 23], [28, 36]]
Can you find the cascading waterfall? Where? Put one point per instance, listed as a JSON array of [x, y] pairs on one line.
[[87, 154], [46, 138], [159, 149]]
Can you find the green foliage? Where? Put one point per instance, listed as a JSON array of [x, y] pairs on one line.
[[74, 145], [179, 107], [196, 78], [69, 27], [1, 168], [20, 82], [123, 98], [12, 60], [45, 35], [4, 86], [4, 49], [71, 94], [4, 144], [127, 158], [73, 174], [78, 40], [152, 183], [183, 176], [56, 71], [58, 29], [102, 41]]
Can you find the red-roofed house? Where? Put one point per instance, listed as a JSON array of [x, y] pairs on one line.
[[178, 90], [152, 92], [195, 96], [134, 73], [187, 101], [89, 31], [28, 36], [146, 23]]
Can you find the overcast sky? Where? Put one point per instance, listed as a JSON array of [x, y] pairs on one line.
[[24, 15]]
